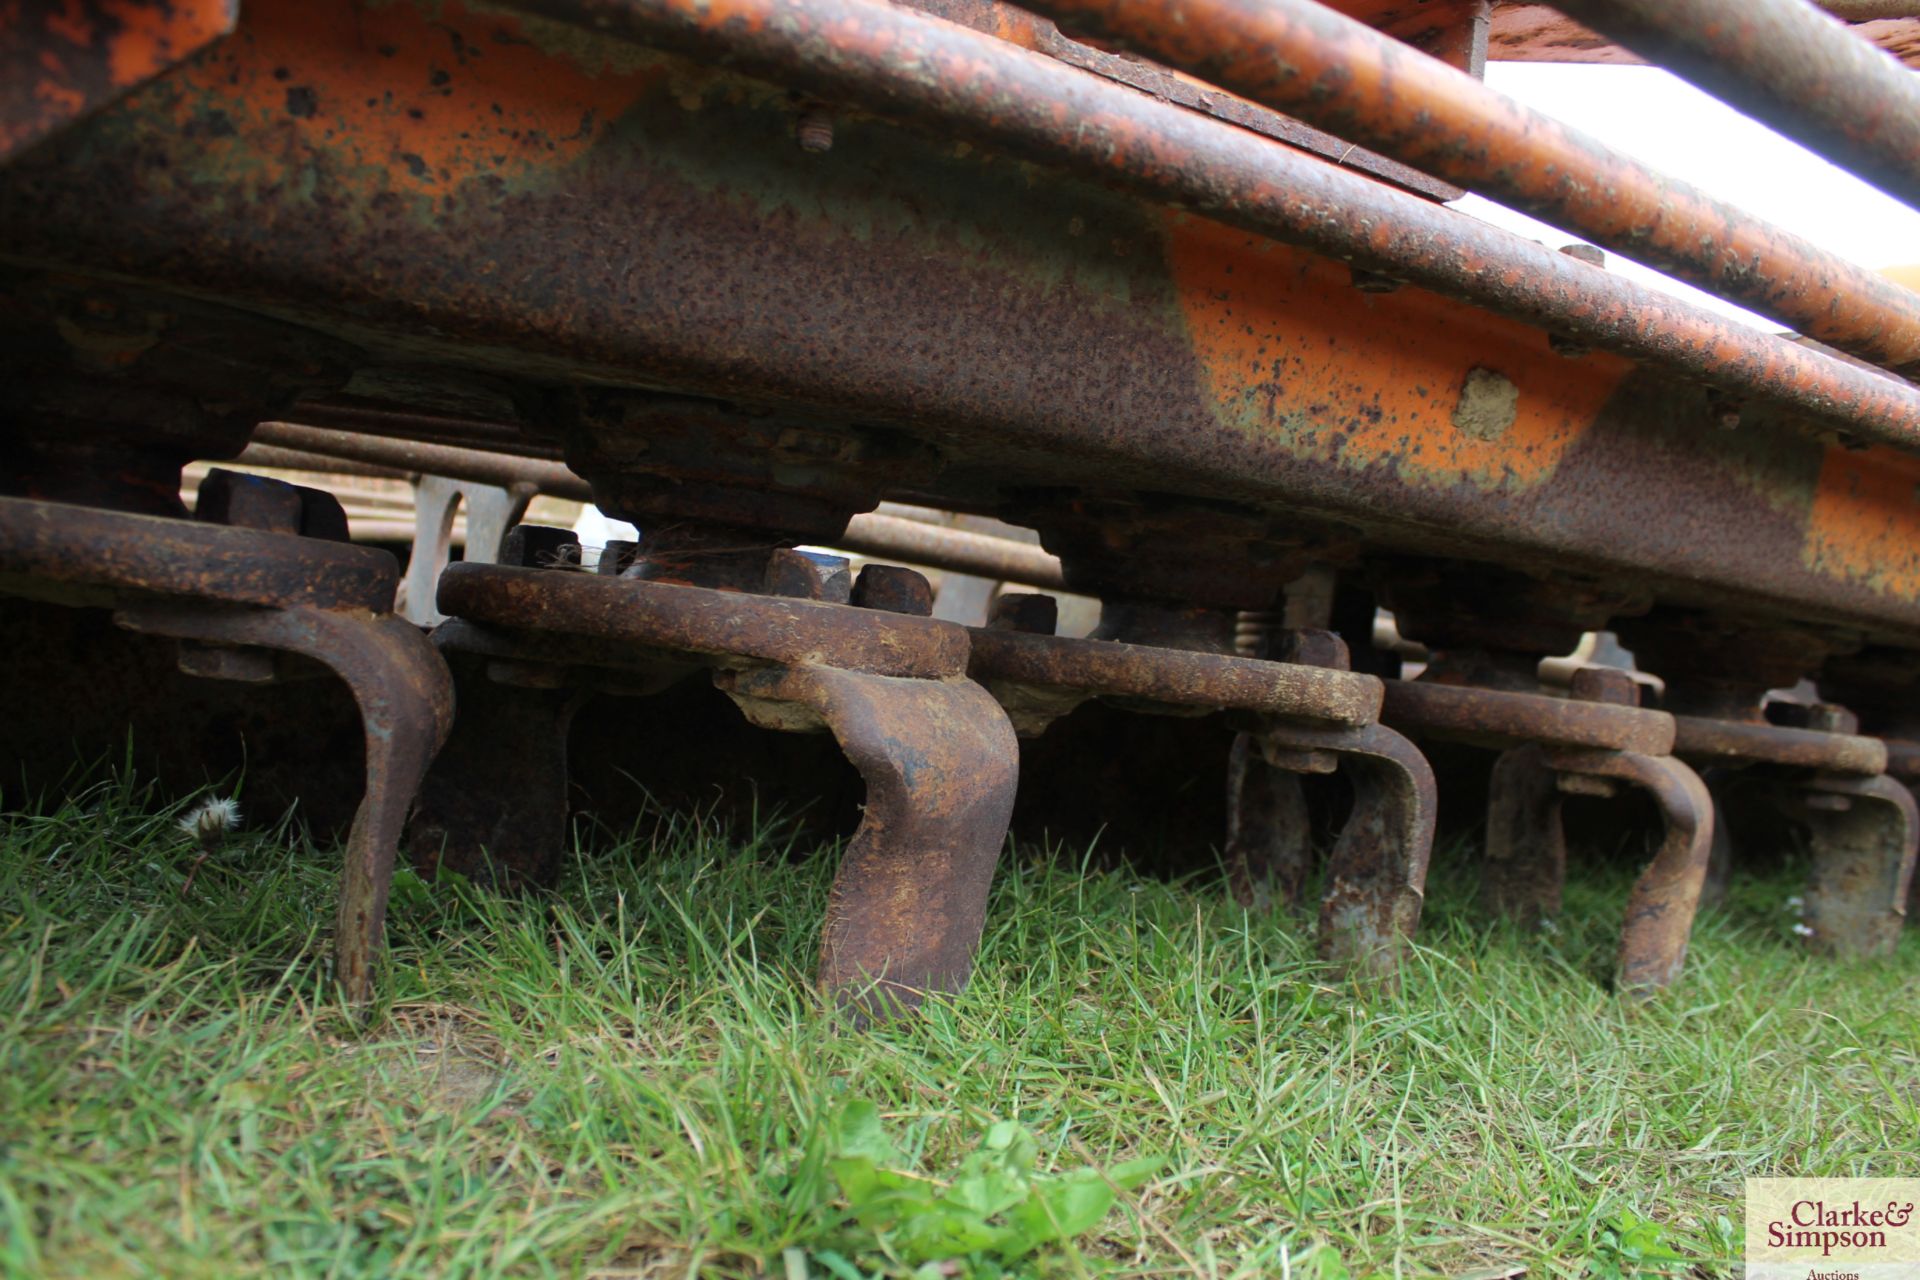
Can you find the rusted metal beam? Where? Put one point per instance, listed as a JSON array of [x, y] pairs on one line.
[[1787, 65], [985, 91], [1303, 58], [1031, 331]]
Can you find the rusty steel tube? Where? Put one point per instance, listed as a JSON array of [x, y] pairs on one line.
[[974, 87], [912, 541], [1343, 76], [480, 466], [960, 550], [1787, 65]]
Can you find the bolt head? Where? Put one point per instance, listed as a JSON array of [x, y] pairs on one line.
[[617, 557], [1829, 717], [538, 546], [1308, 647], [1025, 611], [211, 661], [242, 501], [892, 589], [1610, 685], [808, 575]]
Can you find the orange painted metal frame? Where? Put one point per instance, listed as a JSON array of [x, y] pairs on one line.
[[484, 191]]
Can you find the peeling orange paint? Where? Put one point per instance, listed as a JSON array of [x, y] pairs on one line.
[[57, 63], [1292, 348], [154, 36], [422, 101], [1864, 523]]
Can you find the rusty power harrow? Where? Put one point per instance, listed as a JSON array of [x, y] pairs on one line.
[[1196, 312]]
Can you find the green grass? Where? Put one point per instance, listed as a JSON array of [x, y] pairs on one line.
[[631, 1077]]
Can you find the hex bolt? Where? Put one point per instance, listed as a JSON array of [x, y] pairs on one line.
[[892, 589], [809, 575], [1299, 759], [538, 546], [1308, 647], [322, 516], [814, 130], [1830, 717], [1025, 611], [1610, 685], [617, 557], [236, 663], [1372, 281], [242, 501], [526, 675]]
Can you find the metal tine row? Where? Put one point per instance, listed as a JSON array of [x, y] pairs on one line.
[[928, 712]]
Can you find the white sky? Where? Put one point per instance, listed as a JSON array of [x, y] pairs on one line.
[[1678, 130]]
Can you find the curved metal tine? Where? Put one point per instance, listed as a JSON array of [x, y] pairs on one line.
[[1269, 847], [1377, 873], [1863, 859], [405, 696], [1525, 868], [494, 805], [940, 762], [1713, 892], [1660, 912]]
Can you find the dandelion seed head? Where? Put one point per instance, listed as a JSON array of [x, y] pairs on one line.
[[212, 818]]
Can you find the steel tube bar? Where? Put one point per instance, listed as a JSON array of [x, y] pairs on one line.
[[912, 541], [1706, 738], [1177, 677], [482, 466], [275, 458], [1787, 65], [1519, 718], [1345, 77], [917, 542], [1870, 10], [984, 90]]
